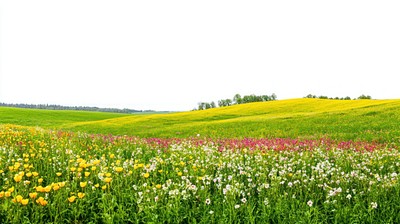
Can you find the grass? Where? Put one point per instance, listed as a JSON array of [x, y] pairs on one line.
[[369, 120], [65, 177]]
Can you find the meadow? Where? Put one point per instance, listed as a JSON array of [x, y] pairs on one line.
[[291, 161]]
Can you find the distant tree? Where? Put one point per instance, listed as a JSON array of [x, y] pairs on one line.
[[201, 106], [224, 103], [212, 105], [364, 97], [311, 96], [237, 99]]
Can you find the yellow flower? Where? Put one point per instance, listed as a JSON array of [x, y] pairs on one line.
[[35, 174], [93, 168], [33, 195], [158, 186], [17, 178], [79, 169], [87, 174], [1, 194], [83, 184], [97, 185], [119, 169], [58, 174], [18, 198], [56, 187], [24, 201], [112, 155], [7, 194], [41, 201], [73, 169], [40, 180], [146, 175], [108, 174], [81, 195], [39, 189], [11, 189], [104, 187], [179, 173], [107, 179], [47, 189], [28, 174], [71, 199]]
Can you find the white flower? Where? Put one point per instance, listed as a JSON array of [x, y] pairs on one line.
[[374, 205], [208, 201], [244, 200], [237, 206], [211, 212], [348, 196], [309, 203], [290, 184]]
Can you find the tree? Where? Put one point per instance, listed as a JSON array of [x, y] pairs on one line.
[[364, 97], [237, 99], [212, 104]]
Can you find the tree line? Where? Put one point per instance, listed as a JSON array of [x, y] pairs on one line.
[[362, 97], [237, 99], [80, 108]]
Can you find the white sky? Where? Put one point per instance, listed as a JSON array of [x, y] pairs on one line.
[[170, 55]]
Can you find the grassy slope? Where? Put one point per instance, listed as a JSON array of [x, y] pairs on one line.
[[304, 118], [49, 118]]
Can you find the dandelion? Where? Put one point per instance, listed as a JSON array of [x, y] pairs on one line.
[[310, 203]]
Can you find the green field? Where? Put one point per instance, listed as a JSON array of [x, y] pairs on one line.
[[370, 120], [287, 161]]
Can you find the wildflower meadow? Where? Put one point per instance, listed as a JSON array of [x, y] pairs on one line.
[[72, 177]]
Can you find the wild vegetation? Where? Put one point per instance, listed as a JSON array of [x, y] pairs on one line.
[[65, 177], [79, 108], [237, 99], [366, 120], [288, 161]]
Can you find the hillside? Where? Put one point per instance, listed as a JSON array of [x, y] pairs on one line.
[[372, 120]]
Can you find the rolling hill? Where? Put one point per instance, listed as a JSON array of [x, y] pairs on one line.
[[371, 120]]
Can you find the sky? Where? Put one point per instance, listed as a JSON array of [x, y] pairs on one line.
[[171, 55]]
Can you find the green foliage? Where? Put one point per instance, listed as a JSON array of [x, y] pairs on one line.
[[370, 120], [189, 183]]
